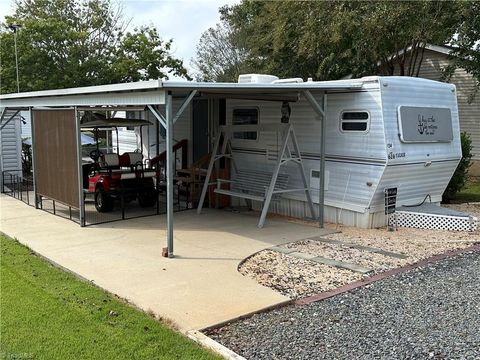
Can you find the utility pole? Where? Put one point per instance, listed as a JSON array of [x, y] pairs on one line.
[[15, 28]]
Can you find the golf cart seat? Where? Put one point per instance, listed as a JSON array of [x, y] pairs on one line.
[[109, 162], [134, 160], [131, 159]]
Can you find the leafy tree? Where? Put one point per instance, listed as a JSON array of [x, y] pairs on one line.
[[143, 55], [328, 40], [69, 43], [466, 45], [219, 55]]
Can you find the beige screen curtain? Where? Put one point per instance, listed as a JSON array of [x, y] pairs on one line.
[[55, 151]]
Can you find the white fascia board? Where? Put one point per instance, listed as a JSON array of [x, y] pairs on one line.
[[124, 87], [279, 87], [134, 98], [153, 92]]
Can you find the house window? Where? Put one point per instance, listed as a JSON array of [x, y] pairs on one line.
[[355, 121], [245, 117]]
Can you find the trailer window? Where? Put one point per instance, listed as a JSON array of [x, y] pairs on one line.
[[354, 121], [245, 117]]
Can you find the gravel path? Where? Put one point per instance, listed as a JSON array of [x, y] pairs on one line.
[[295, 277], [376, 262], [430, 312]]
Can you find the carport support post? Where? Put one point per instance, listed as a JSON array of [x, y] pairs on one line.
[[322, 111], [169, 165], [34, 178], [321, 193], [81, 199], [34, 173]]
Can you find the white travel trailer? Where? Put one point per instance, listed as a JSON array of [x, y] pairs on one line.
[[393, 132]]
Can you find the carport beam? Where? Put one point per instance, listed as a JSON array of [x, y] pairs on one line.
[[169, 165]]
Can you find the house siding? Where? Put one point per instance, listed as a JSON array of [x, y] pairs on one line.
[[11, 147]]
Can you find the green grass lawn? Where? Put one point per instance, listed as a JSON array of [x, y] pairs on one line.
[[46, 313], [471, 193]]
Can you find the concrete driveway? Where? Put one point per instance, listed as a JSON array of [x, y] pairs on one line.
[[198, 288]]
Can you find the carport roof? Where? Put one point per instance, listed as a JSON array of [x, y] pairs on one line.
[[153, 92]]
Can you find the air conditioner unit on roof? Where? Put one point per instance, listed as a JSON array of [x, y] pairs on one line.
[[256, 79]]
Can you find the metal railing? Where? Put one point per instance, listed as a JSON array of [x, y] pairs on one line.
[[126, 204], [18, 187]]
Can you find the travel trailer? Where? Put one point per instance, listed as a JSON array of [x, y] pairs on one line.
[[398, 133]]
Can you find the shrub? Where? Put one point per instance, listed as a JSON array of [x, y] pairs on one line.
[[26, 160], [459, 178]]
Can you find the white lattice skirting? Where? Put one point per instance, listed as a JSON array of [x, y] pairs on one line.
[[434, 221]]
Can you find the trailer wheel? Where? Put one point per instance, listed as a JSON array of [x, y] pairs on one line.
[[103, 201], [147, 198]]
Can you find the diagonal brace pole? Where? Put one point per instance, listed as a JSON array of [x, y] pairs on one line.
[[184, 105], [161, 119]]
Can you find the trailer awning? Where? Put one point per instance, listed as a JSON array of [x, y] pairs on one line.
[[144, 93]]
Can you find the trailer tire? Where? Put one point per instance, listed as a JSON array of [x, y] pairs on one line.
[[147, 198], [103, 201]]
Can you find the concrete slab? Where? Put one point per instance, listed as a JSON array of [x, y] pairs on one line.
[[197, 289]]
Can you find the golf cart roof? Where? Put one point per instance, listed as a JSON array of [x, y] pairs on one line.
[[95, 120]]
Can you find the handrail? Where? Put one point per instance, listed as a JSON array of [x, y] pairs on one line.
[[181, 145]]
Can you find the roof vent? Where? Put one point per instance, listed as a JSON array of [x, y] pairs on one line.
[[256, 79]]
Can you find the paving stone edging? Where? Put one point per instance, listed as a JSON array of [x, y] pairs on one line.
[[383, 275]]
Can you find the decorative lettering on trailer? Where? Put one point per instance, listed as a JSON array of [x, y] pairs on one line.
[[424, 124]]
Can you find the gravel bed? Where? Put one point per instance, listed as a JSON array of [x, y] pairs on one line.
[[295, 277], [430, 312], [417, 244], [376, 262], [298, 278]]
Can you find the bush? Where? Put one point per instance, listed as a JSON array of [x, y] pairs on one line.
[[459, 178], [26, 160]]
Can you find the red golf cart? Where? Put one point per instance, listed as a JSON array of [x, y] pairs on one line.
[[114, 177]]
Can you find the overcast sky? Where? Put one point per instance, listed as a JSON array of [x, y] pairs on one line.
[[182, 20]]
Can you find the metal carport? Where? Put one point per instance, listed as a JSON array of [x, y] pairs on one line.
[[149, 94]]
